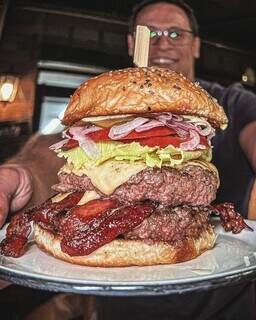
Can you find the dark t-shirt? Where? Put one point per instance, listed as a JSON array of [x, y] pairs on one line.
[[228, 303], [236, 174]]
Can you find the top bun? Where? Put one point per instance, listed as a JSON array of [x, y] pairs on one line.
[[142, 90]]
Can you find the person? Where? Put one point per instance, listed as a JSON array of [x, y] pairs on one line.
[[174, 44]]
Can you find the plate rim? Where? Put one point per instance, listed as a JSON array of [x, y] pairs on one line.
[[133, 287]]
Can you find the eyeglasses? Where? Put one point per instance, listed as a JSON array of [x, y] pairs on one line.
[[178, 37]]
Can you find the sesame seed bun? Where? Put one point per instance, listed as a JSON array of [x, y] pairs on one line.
[[142, 90]]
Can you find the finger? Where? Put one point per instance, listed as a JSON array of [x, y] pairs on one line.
[[24, 190], [15, 187], [4, 207]]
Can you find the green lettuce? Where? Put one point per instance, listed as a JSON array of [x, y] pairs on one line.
[[152, 156]]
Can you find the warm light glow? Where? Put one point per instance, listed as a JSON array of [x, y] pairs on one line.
[[244, 78], [6, 91], [248, 77], [8, 87]]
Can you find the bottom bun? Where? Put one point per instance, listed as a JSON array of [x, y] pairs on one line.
[[124, 253]]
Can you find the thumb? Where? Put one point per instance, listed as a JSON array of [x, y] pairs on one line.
[[15, 189], [4, 207]]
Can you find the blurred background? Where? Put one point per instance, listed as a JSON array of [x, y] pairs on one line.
[[47, 48]]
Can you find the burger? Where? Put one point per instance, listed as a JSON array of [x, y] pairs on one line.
[[137, 184], [138, 150]]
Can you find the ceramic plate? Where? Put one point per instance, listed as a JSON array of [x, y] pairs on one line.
[[231, 261]]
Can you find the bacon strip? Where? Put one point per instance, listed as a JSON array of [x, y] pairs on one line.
[[118, 222], [86, 228], [230, 219], [82, 218], [49, 211], [19, 229], [14, 245]]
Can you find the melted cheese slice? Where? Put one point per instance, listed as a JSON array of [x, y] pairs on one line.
[[109, 175], [60, 196], [88, 196]]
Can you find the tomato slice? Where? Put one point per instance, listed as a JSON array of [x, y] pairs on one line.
[[102, 135], [70, 145], [159, 136], [165, 141], [161, 142]]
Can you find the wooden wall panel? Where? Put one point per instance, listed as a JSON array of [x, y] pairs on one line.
[[22, 107]]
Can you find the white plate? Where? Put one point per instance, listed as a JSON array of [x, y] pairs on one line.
[[232, 260]]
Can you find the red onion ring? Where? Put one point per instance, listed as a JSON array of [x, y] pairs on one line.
[[58, 145], [80, 134], [77, 132], [119, 131], [184, 126], [149, 125], [89, 147], [192, 143]]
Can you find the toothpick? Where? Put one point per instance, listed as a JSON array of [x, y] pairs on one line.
[[141, 46]]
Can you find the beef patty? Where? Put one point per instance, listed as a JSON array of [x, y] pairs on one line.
[[172, 224], [191, 185]]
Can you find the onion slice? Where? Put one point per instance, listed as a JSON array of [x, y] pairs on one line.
[[119, 131], [87, 144], [78, 132], [90, 148], [202, 126], [185, 126], [192, 143], [149, 125], [58, 145]]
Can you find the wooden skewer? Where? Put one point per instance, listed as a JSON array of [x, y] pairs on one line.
[[140, 58]]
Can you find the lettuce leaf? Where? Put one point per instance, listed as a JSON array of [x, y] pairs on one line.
[[132, 152]]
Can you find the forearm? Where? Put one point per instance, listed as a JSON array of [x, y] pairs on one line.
[[247, 141], [41, 164]]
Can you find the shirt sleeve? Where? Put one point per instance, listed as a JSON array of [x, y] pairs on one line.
[[241, 106], [239, 103]]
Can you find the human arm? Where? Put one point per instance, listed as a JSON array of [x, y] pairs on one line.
[[247, 140], [26, 179]]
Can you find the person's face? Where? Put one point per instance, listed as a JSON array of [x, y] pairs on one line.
[[163, 52]]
